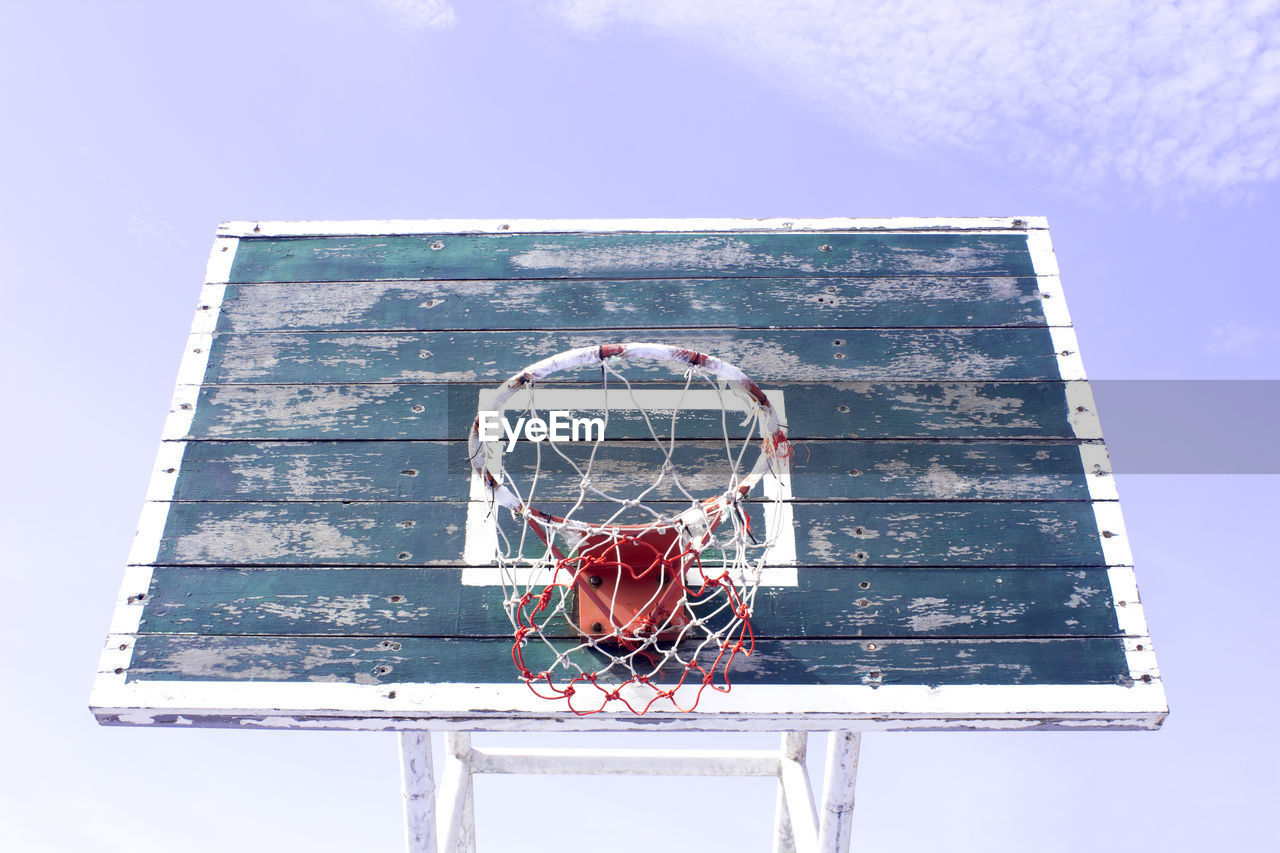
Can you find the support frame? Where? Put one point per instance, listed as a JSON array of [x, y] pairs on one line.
[[441, 818]]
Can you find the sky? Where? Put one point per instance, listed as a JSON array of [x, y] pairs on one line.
[[1147, 132]]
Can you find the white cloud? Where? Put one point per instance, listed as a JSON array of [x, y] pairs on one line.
[[422, 13], [1174, 97], [1240, 338]]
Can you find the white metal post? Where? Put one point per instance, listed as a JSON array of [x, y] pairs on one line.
[[794, 748], [419, 787], [457, 833], [837, 791]]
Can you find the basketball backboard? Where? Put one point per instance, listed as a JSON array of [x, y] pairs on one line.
[[314, 550]]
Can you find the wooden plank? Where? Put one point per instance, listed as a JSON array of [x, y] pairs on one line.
[[430, 660], [785, 355], [820, 470], [654, 255], [904, 301], [814, 410], [1048, 533], [736, 225], [385, 602]]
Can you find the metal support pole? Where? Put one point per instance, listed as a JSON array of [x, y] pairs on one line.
[[457, 832], [794, 748], [419, 787], [837, 792]]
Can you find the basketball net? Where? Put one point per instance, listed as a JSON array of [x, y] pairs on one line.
[[638, 593]]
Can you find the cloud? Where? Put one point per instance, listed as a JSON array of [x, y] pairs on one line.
[[422, 13], [1170, 97], [1240, 338]]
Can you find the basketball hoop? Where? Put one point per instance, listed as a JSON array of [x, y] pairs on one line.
[[639, 611]]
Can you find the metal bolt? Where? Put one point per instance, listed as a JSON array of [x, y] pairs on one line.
[[594, 580], [597, 628]]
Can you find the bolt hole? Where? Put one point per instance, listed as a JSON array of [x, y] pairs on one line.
[[860, 555], [124, 646], [186, 407], [407, 524], [396, 599], [838, 342], [862, 602], [119, 670], [824, 248], [858, 531], [842, 409], [871, 647], [381, 670], [437, 245], [409, 472], [1138, 647], [1146, 679], [170, 470], [855, 472], [404, 555], [864, 585], [839, 355], [875, 673], [1107, 534], [391, 695], [419, 408]]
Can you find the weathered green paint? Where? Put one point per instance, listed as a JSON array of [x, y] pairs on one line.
[[814, 410], [1049, 533], [602, 256], [902, 301], [430, 660], [424, 470], [783, 355], [831, 603]]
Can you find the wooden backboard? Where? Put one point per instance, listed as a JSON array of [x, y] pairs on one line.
[[307, 554]]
